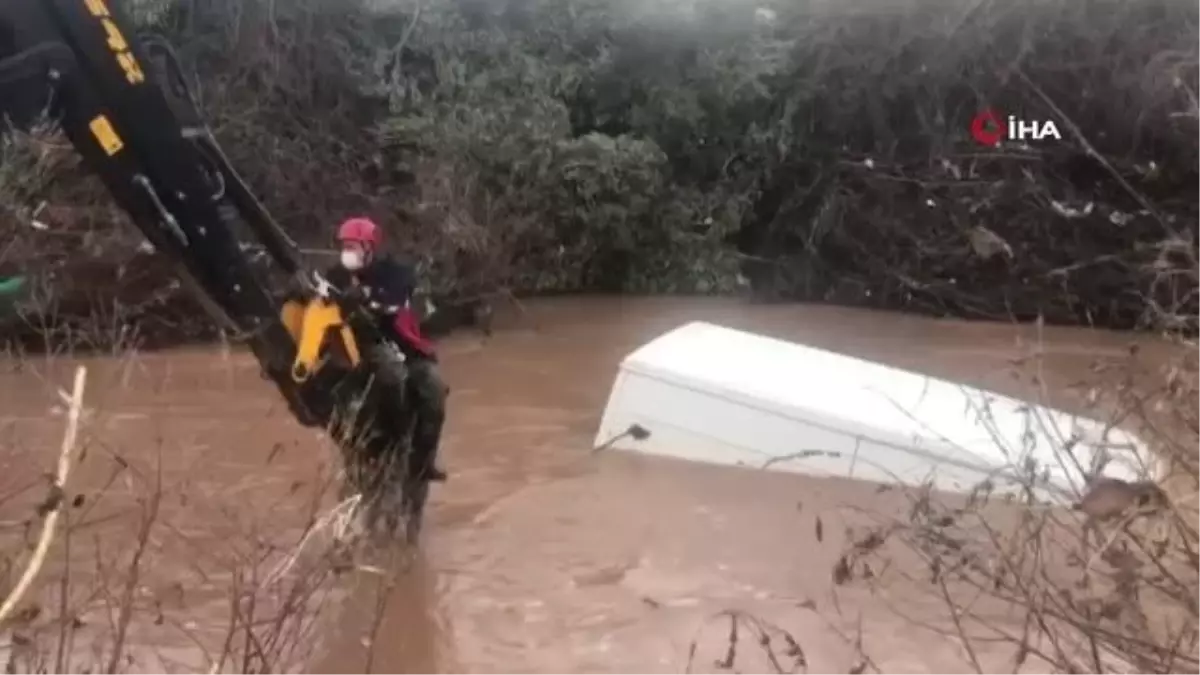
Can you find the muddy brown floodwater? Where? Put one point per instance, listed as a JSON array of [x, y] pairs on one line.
[[538, 556]]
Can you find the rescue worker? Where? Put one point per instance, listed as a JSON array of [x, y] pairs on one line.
[[386, 287]]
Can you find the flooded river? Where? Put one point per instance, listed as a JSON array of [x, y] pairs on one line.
[[538, 556]]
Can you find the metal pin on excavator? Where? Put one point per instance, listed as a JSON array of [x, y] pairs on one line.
[[125, 106]]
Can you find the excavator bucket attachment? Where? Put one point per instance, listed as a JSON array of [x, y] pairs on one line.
[[321, 332]]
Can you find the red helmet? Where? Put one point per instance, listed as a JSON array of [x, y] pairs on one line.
[[360, 231]]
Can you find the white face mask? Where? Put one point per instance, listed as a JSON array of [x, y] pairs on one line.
[[352, 260]]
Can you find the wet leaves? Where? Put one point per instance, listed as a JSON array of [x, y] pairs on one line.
[[842, 571], [27, 616], [276, 450], [795, 651], [53, 499], [850, 564], [21, 640], [869, 543]]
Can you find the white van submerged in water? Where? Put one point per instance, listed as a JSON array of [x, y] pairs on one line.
[[712, 394]]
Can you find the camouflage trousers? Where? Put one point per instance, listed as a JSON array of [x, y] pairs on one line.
[[423, 388]]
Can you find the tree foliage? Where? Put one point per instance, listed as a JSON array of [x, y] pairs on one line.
[[816, 150]]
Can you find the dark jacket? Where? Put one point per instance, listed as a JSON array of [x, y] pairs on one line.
[[389, 286]]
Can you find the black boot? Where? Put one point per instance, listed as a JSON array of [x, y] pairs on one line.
[[425, 465], [430, 399]]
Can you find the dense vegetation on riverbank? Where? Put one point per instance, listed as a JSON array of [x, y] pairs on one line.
[[809, 150]]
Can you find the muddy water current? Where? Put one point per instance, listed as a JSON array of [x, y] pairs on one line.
[[538, 556]]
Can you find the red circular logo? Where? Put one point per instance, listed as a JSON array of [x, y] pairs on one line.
[[987, 128]]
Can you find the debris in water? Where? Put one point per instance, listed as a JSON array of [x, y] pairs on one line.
[[841, 571], [51, 502], [27, 615], [602, 577]]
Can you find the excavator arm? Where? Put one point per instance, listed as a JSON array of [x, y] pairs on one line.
[[124, 105]]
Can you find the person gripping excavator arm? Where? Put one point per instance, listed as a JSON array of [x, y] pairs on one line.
[[404, 358]]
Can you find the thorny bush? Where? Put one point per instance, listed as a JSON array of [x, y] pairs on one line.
[[1110, 585], [150, 567]]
